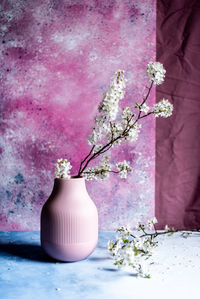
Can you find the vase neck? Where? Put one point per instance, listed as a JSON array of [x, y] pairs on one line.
[[71, 185]]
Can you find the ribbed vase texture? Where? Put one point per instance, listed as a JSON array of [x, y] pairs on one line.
[[69, 221]]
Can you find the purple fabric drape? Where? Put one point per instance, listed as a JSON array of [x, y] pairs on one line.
[[178, 138]]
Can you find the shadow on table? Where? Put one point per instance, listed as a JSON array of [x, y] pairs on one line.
[[110, 269], [33, 252], [107, 269], [25, 251], [98, 259]]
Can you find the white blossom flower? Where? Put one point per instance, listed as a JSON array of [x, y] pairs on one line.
[[119, 244], [167, 228], [163, 108], [124, 168], [186, 234], [133, 132], [124, 231], [151, 222], [144, 108], [101, 128], [62, 169], [154, 220], [143, 270], [156, 72], [101, 123], [94, 137], [115, 131], [101, 171], [129, 256], [97, 148], [127, 113], [110, 245], [140, 244], [118, 260]]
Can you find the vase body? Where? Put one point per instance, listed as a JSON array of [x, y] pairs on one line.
[[69, 221]]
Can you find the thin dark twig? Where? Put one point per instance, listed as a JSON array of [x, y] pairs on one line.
[[106, 149], [145, 115], [85, 159], [100, 171], [170, 231]]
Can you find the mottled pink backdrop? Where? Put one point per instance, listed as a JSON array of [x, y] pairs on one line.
[[57, 58]]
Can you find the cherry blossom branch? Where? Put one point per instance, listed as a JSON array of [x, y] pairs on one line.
[[170, 231], [107, 146], [133, 251], [108, 126]]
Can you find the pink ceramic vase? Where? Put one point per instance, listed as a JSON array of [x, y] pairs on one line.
[[69, 221]]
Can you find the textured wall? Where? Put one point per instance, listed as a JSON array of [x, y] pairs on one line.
[[57, 58]]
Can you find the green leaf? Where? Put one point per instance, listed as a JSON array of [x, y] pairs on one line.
[[125, 240]]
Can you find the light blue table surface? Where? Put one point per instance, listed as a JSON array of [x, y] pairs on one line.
[[26, 272]]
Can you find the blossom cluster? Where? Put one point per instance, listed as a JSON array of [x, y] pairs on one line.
[[133, 132], [62, 169], [156, 72], [127, 115], [144, 108], [108, 108], [124, 168], [101, 171], [133, 252], [163, 108], [104, 168], [115, 131], [151, 222]]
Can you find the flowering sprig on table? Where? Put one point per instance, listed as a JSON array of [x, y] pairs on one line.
[[111, 127], [132, 250]]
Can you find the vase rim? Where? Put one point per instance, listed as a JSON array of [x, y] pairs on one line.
[[73, 177]]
